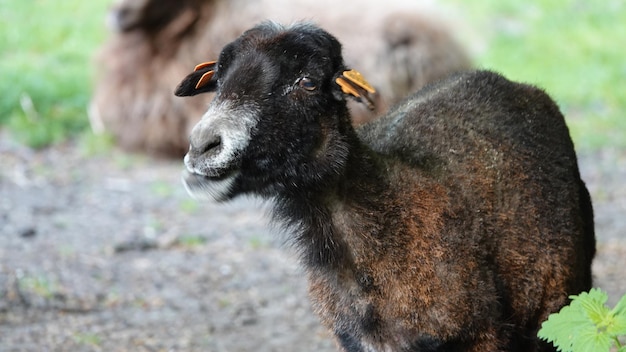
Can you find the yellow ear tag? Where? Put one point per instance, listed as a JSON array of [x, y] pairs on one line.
[[203, 65], [206, 77], [346, 87], [358, 79]]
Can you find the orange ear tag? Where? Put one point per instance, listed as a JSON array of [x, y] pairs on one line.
[[205, 79], [358, 79], [203, 65], [346, 87]]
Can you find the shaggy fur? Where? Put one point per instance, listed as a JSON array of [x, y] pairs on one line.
[[401, 46], [457, 222]]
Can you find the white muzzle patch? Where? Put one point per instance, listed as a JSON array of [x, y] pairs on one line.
[[210, 175]]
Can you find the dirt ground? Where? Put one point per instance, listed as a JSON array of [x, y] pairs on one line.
[[108, 253]]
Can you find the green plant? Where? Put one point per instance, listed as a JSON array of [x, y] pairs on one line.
[[40, 285], [257, 241], [163, 189], [191, 241], [587, 324], [189, 205], [86, 338], [92, 144], [46, 67]]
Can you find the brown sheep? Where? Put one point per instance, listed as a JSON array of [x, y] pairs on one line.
[[396, 43], [456, 222]]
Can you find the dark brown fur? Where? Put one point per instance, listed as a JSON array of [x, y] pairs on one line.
[[157, 41], [456, 222]]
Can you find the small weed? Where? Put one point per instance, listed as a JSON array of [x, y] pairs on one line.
[[189, 205], [126, 161], [112, 299], [162, 189], [39, 285], [152, 227], [224, 302], [84, 338], [67, 251], [91, 144], [257, 242], [587, 324], [191, 241]]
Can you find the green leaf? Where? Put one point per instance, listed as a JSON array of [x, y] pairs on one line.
[[591, 341], [586, 324], [564, 328], [617, 325], [594, 306]]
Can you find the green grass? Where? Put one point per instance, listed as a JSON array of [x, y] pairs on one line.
[[39, 285], [571, 48], [191, 241], [46, 51], [87, 338]]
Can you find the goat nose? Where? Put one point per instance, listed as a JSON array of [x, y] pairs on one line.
[[204, 141]]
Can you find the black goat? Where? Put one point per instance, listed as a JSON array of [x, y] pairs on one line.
[[457, 222]]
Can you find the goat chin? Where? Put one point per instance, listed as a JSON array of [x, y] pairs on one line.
[[203, 188]]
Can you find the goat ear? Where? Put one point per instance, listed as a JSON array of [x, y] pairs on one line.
[[355, 85], [199, 81]]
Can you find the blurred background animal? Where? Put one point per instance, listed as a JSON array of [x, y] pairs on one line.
[[399, 45]]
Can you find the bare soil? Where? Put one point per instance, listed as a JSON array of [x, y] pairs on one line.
[[107, 252]]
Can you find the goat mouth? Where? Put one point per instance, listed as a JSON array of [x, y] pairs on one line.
[[203, 187]]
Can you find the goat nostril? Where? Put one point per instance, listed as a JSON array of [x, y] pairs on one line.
[[210, 147], [204, 141], [213, 145]]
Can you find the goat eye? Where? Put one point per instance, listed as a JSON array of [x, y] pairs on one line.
[[307, 84]]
